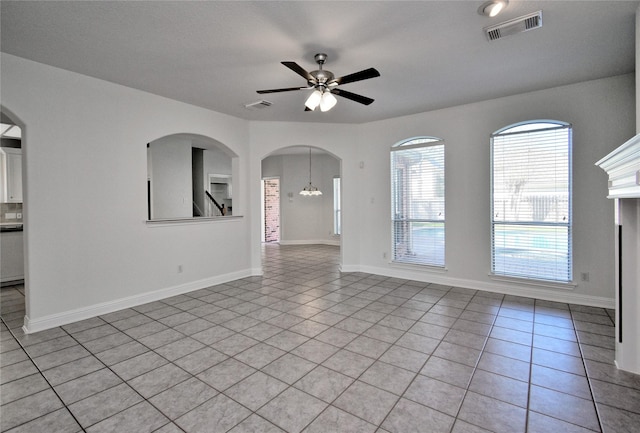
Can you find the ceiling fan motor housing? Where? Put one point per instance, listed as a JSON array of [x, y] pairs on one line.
[[322, 77]]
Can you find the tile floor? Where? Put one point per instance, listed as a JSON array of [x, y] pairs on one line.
[[306, 348]]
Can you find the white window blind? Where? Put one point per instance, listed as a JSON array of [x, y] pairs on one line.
[[417, 189], [531, 202]]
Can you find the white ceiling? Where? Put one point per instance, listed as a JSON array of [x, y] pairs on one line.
[[216, 54]]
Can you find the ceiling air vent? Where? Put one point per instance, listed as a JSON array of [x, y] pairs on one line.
[[258, 105], [516, 25]]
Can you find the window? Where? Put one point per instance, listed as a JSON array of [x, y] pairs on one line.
[[531, 201], [417, 200], [336, 205]]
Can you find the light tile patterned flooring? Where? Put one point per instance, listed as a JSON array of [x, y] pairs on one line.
[[306, 348]]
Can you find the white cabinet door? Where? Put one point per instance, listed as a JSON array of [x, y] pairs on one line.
[[12, 257], [13, 175]]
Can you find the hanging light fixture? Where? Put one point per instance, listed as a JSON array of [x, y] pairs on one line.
[[310, 190]]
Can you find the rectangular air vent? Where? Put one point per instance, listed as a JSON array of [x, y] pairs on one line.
[[258, 105], [516, 25]]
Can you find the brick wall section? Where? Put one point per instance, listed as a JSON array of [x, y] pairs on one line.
[[272, 210]]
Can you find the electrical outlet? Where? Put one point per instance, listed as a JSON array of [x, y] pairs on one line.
[[179, 269], [384, 255], [584, 276]]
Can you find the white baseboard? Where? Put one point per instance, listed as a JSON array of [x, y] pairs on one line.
[[6, 281], [257, 272], [350, 268], [66, 317], [332, 242], [507, 288]]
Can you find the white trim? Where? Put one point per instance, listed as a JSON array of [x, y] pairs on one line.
[[256, 272], [418, 267], [623, 167], [532, 282], [508, 288], [16, 279], [332, 242], [189, 220], [66, 317], [349, 268]]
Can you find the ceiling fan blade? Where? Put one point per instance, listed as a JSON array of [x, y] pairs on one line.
[[298, 70], [358, 76], [354, 97], [286, 89]]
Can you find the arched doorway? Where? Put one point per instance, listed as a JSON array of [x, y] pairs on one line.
[[303, 218], [13, 220]]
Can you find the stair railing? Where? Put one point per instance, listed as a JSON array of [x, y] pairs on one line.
[[220, 207]]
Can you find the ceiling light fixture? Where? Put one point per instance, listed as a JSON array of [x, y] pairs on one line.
[[321, 97], [328, 101], [313, 100], [311, 190], [493, 7]]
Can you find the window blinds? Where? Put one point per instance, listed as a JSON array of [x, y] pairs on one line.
[[531, 202], [417, 171]]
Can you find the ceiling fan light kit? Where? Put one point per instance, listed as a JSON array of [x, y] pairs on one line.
[[325, 85], [313, 100]]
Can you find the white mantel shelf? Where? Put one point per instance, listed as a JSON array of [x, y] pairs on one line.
[[623, 167]]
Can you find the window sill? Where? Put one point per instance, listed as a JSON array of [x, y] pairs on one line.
[[187, 221], [535, 283], [417, 267]]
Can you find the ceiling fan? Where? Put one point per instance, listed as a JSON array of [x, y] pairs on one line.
[[325, 85]]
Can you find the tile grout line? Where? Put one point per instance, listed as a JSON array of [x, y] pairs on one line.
[[45, 379], [475, 368], [586, 371]]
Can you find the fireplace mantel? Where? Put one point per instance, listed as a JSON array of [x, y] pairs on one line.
[[623, 167]]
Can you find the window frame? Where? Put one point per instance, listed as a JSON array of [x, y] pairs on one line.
[[521, 128], [437, 260]]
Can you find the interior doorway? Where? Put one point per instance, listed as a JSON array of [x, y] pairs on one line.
[[271, 209]]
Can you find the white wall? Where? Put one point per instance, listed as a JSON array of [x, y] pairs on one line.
[[171, 177], [304, 220], [89, 249], [216, 162], [602, 114]]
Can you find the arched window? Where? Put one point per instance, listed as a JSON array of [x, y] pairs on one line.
[[417, 201], [531, 201]]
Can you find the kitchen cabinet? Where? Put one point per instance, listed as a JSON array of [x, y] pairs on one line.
[[11, 175], [12, 257]]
